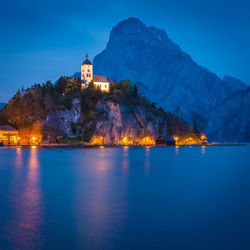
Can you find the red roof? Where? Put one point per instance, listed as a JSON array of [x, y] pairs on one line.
[[100, 79], [7, 128]]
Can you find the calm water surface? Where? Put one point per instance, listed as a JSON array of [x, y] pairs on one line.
[[118, 198]]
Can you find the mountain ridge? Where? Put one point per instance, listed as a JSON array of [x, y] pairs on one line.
[[230, 120], [147, 55]]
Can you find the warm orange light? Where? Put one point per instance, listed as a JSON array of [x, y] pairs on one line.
[[203, 148], [177, 149], [33, 147], [101, 147], [97, 140], [192, 140], [126, 141], [147, 141], [176, 138], [33, 138], [203, 137]]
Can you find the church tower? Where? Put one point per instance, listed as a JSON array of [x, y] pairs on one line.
[[86, 72]]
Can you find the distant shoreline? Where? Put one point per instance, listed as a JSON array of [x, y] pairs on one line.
[[113, 146]]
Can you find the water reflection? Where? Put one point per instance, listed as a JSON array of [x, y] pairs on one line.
[[97, 206], [88, 208], [147, 161], [125, 160], [19, 160], [24, 228], [177, 149], [203, 150]]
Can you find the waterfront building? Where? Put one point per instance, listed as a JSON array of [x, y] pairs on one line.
[[8, 135]]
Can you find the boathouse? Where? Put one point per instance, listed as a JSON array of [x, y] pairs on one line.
[[165, 141]]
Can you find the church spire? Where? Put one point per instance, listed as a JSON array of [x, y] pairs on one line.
[[86, 61]]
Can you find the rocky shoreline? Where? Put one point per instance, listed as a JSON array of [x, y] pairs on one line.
[[54, 145]]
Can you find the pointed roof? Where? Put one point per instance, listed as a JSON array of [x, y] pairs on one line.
[[87, 61]]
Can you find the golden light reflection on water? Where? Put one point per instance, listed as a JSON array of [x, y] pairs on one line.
[[177, 150], [203, 150], [125, 160], [102, 163], [19, 160], [24, 228], [147, 161], [95, 207]]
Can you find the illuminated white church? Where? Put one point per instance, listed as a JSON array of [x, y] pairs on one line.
[[87, 76]]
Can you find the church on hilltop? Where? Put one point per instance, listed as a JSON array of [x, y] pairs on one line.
[[87, 76]]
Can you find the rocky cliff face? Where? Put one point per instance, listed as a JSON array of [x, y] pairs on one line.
[[62, 120], [114, 123], [119, 122], [147, 55]]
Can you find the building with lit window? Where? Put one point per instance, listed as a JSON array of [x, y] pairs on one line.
[[8, 135], [87, 76]]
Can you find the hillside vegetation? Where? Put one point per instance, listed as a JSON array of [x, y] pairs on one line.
[[44, 109]]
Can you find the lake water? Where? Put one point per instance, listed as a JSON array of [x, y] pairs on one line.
[[125, 198]]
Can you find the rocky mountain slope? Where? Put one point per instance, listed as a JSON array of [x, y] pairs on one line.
[[147, 55], [234, 83], [172, 79], [230, 120]]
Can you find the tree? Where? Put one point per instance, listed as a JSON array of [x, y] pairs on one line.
[[91, 85], [60, 85], [135, 91]]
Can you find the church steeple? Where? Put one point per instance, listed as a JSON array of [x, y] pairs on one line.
[[87, 76], [86, 71], [86, 61]]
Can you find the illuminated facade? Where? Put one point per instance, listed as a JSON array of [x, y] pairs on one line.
[[8, 135], [87, 76]]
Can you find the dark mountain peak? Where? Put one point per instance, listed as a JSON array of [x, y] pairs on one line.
[[170, 76], [130, 25], [135, 35], [146, 54], [135, 26]]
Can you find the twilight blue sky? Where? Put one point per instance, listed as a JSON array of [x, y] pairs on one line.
[[44, 39]]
